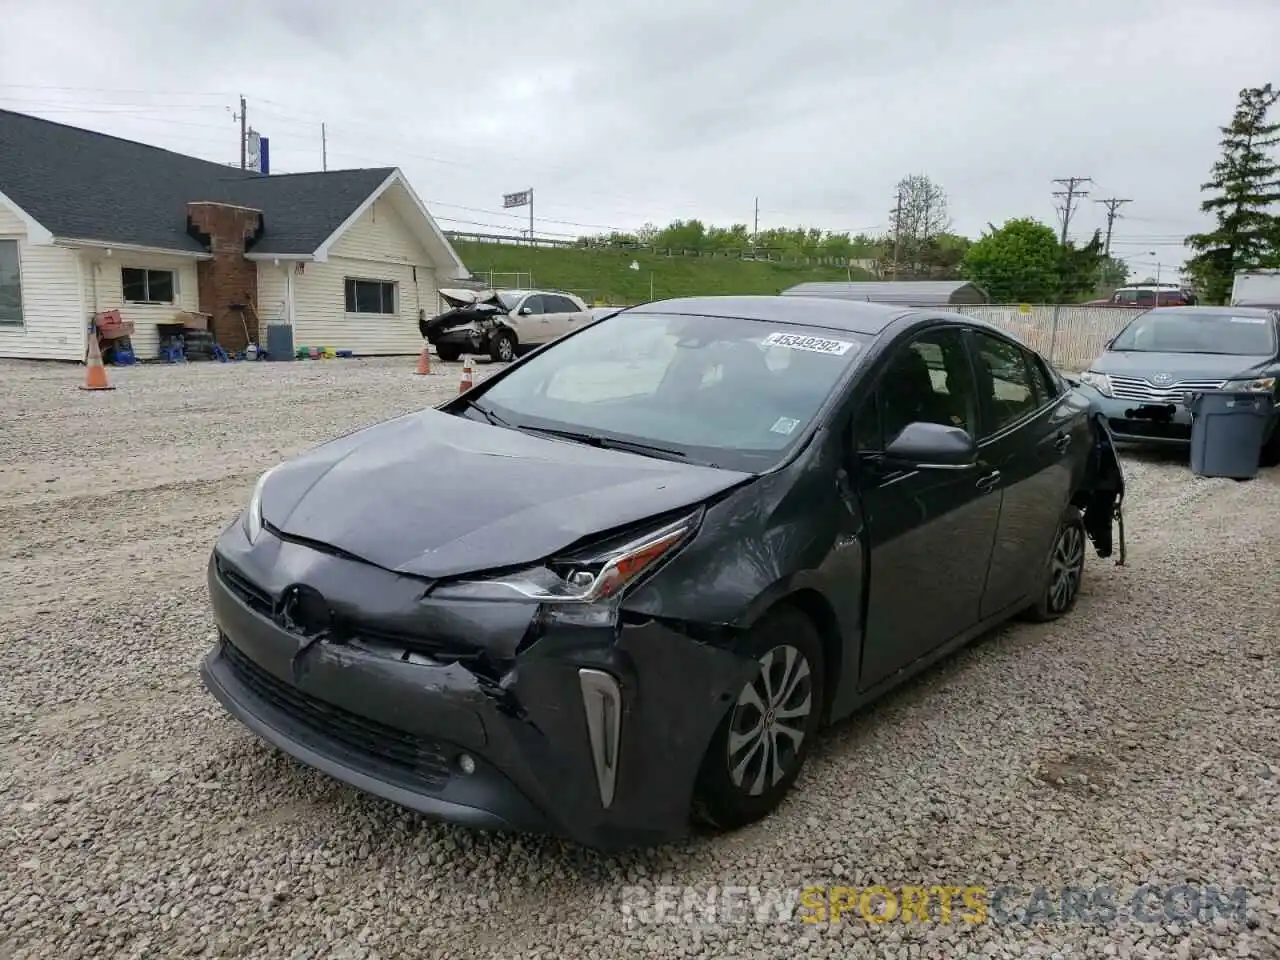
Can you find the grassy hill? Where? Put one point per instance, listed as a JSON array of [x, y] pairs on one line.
[[603, 275]]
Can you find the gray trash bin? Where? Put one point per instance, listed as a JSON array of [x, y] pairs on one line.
[[1227, 430], [279, 341]]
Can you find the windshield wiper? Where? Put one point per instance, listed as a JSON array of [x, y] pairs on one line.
[[488, 414], [596, 440]]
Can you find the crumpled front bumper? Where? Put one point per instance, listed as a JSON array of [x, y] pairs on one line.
[[594, 738], [466, 339]]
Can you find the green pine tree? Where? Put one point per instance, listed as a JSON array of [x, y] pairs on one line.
[[1244, 188]]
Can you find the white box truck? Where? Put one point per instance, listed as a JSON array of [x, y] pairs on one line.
[[1256, 288]]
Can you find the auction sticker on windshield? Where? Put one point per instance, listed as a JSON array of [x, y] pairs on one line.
[[795, 341], [1248, 319]]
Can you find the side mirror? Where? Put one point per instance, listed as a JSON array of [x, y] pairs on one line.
[[933, 446], [525, 311]]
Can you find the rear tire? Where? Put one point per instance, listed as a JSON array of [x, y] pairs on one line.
[[449, 354], [754, 757], [1064, 570], [502, 346]]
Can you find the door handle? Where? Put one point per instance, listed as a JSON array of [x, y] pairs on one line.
[[988, 483], [1062, 441]]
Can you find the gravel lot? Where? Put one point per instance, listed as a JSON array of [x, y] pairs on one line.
[[1137, 742]]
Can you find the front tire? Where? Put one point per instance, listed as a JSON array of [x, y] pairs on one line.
[[449, 354], [761, 744], [1064, 570], [502, 346]]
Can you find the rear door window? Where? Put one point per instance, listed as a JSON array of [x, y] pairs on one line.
[[1007, 383], [557, 304]]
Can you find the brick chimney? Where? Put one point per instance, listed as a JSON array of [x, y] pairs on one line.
[[228, 279]]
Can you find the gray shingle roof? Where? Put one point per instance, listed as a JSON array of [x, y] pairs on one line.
[[90, 186], [915, 293]]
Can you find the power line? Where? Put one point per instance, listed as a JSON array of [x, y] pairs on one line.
[[159, 107], [1113, 205], [1069, 197]]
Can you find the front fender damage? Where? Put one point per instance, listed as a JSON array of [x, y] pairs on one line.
[[1100, 495]]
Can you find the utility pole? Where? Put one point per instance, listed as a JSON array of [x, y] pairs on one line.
[[244, 135], [1113, 205], [1069, 196], [897, 233], [324, 148]]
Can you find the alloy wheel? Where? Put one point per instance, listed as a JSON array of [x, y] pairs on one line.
[[505, 349], [769, 720], [1066, 568]]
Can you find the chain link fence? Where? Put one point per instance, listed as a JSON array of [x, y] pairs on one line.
[[1070, 335]]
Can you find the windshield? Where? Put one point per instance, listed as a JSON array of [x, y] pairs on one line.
[[1199, 332], [509, 300], [734, 393]]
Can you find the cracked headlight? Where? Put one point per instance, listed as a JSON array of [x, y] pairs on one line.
[[1256, 385], [252, 516], [584, 587], [1099, 381]]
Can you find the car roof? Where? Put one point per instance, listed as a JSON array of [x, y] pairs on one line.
[[850, 316]]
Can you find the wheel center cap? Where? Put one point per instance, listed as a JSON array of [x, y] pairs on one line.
[[769, 717]]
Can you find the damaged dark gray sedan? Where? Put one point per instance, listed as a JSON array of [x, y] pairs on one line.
[[616, 589]]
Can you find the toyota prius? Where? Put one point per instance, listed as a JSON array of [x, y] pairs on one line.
[[616, 590]]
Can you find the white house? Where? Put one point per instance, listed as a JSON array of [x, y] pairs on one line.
[[90, 223]]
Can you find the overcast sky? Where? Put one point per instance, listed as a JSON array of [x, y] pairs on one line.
[[619, 112]]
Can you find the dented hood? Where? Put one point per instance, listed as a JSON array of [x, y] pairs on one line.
[[465, 306], [457, 297], [436, 495]]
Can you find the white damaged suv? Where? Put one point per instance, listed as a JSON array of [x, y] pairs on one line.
[[502, 323]]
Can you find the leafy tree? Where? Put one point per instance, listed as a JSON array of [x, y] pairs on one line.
[[682, 235], [788, 242], [941, 256], [919, 216], [1245, 187], [1079, 268], [1016, 263], [728, 239], [1112, 273]]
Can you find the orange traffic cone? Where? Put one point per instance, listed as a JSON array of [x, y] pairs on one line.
[[95, 374], [424, 361], [467, 381]]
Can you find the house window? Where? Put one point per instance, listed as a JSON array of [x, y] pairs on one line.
[[10, 283], [147, 286], [370, 296]]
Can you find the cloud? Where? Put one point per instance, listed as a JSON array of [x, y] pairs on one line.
[[624, 112]]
